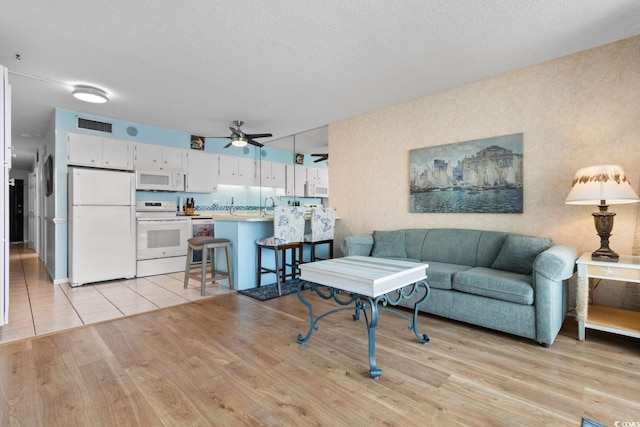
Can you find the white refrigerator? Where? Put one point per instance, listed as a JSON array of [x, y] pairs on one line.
[[102, 225]]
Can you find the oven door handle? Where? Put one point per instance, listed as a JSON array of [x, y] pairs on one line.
[[163, 221]]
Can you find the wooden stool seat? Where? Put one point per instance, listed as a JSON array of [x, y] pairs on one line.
[[208, 246]]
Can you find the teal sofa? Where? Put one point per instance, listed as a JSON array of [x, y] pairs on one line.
[[508, 282]]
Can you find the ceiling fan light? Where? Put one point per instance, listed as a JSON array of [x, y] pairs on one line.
[[90, 94], [239, 142]]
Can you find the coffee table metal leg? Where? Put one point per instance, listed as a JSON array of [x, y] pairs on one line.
[[372, 324], [324, 293]]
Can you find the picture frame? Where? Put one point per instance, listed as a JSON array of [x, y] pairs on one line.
[[477, 176], [197, 142]]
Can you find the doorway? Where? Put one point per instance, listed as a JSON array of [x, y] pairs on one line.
[[16, 211]]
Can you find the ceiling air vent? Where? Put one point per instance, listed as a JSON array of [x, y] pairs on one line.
[[94, 125]]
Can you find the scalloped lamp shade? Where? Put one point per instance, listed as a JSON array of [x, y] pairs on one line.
[[603, 182]]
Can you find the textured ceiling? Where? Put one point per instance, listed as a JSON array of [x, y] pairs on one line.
[[284, 66]]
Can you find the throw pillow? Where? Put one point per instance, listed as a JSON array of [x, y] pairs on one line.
[[518, 253], [388, 244]]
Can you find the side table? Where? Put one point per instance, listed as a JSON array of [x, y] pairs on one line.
[[609, 319]]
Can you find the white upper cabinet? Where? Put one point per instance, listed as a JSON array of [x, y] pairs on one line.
[[99, 152], [321, 184], [309, 181], [246, 171], [272, 174], [202, 172], [157, 156], [300, 180], [237, 170], [174, 158], [228, 170], [289, 188]]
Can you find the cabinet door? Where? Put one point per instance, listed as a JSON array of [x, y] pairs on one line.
[[322, 182], [265, 174], [278, 175], [246, 171], [300, 180], [228, 172], [84, 150], [173, 158], [116, 154], [289, 189], [202, 172], [148, 155]]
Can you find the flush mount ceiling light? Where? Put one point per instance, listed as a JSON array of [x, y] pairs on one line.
[[90, 94]]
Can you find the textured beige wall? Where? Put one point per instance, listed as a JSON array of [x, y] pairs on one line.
[[574, 111]]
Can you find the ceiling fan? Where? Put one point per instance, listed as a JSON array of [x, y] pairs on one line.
[[321, 157], [240, 139]]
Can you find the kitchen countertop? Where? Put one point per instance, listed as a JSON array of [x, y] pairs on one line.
[[225, 216], [239, 216]]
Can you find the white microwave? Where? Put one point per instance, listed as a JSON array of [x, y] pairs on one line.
[[159, 179]]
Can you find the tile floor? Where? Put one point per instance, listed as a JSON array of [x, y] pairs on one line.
[[37, 306]]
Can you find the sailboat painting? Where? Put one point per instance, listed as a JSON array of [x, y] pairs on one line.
[[478, 176]]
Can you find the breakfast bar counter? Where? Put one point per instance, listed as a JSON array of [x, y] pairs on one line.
[[243, 230]]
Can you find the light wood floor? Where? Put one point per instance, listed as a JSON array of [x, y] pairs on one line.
[[232, 360], [38, 306]]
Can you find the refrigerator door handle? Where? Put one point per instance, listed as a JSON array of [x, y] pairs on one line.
[[133, 225], [132, 190]]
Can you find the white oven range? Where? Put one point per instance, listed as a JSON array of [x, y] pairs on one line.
[[161, 238]]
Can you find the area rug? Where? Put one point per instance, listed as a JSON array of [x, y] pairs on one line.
[[267, 292]]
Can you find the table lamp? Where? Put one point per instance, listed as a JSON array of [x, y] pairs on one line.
[[606, 185]]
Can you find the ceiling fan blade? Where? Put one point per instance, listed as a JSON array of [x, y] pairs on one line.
[[236, 131], [257, 135], [227, 146], [218, 137], [256, 143]]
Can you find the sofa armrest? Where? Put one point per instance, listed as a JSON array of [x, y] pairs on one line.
[[556, 263], [357, 245], [551, 271]]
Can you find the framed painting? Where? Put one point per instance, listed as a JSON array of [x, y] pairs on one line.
[[478, 176], [197, 142]]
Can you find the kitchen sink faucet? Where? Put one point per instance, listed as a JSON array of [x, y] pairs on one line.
[[273, 204]]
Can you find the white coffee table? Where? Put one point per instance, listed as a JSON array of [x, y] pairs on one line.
[[353, 281]]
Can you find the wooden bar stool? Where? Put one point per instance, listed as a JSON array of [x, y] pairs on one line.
[[208, 246], [288, 234], [323, 224]]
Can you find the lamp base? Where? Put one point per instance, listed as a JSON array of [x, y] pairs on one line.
[[605, 254], [604, 224]]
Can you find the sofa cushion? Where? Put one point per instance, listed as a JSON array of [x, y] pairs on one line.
[[497, 284], [388, 244], [440, 275], [518, 253], [413, 241], [449, 245]]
